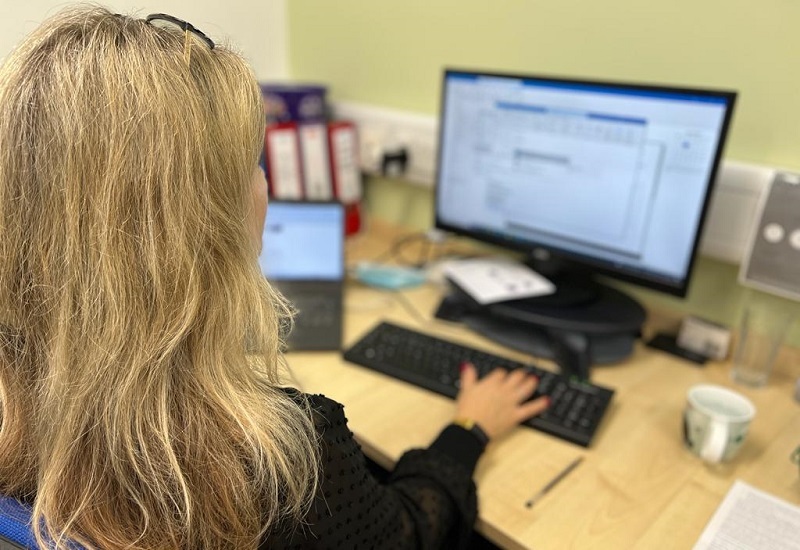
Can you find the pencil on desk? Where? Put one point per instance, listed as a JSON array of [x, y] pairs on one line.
[[552, 483]]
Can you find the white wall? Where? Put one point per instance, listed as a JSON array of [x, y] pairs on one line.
[[257, 28]]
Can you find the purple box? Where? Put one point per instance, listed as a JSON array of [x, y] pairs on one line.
[[294, 102]]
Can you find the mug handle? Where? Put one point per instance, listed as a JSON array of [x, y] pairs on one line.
[[715, 442]]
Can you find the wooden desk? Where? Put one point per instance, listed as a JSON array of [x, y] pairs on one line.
[[638, 486]]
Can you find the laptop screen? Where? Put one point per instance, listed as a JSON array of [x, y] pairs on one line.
[[303, 241]]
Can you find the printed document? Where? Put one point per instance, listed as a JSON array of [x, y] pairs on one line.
[[497, 280], [751, 519]]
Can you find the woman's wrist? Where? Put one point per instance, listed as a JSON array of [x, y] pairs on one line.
[[474, 428]]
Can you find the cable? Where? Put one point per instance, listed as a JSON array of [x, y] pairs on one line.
[[434, 246], [410, 308]]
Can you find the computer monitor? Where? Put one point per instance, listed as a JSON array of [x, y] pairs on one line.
[[585, 177]]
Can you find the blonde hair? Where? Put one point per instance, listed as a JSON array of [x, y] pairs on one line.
[[139, 382]]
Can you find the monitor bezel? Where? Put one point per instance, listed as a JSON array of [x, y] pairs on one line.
[[580, 261]]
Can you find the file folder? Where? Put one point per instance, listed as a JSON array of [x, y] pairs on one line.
[[316, 167], [283, 163], [343, 141]]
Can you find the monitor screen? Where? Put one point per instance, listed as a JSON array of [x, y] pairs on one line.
[[611, 176], [303, 241]]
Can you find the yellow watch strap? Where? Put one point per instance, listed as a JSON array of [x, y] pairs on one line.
[[474, 428]]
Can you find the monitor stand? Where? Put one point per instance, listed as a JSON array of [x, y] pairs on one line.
[[578, 326]]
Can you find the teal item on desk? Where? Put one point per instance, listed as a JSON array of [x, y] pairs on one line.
[[389, 277]]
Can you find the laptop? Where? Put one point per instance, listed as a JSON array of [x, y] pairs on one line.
[[303, 257]]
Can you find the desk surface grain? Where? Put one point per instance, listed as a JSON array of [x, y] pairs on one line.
[[637, 487]]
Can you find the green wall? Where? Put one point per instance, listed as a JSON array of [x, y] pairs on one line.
[[391, 54]]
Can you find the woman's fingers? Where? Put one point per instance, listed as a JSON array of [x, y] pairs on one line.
[[532, 408], [469, 375]]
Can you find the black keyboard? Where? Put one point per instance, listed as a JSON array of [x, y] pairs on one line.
[[576, 407]]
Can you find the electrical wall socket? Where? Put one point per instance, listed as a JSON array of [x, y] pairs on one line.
[[382, 130]]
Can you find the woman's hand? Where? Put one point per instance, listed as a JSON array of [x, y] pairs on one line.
[[498, 401]]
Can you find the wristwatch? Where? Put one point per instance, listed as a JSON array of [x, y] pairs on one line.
[[472, 427]]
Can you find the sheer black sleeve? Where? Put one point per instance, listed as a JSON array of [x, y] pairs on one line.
[[428, 501]]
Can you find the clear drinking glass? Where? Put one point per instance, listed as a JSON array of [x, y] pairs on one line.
[[762, 330]]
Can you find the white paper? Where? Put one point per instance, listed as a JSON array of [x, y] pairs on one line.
[[751, 519], [497, 280]]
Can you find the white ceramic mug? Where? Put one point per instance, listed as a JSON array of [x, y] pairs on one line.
[[716, 421]]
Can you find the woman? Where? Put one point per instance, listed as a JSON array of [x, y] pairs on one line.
[[141, 401]]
